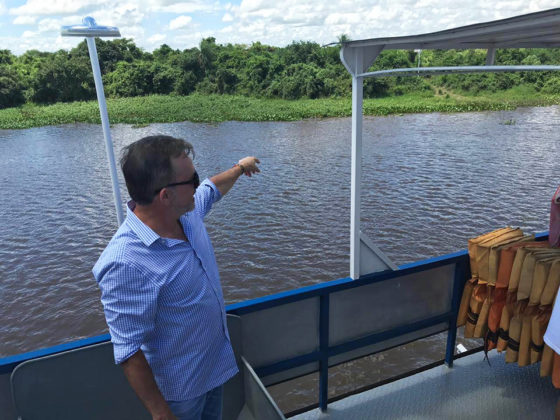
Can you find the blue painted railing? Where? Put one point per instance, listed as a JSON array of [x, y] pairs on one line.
[[323, 291]]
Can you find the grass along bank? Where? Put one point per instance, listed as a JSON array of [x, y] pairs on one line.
[[216, 108]]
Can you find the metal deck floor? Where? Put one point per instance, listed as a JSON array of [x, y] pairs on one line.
[[470, 390]]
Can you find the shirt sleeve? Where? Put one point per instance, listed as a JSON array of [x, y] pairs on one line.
[[129, 300], [206, 195]]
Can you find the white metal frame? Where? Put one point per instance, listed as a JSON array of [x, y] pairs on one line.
[[535, 30]]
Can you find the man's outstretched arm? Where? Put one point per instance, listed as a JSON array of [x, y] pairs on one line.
[[225, 180], [141, 379]]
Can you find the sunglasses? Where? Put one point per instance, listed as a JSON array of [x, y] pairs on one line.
[[195, 181]]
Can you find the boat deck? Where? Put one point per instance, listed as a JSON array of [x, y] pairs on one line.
[[470, 390]]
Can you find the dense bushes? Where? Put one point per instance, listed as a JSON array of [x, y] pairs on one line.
[[62, 77], [299, 70], [11, 87]]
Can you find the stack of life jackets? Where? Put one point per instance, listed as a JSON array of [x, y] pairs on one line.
[[508, 300]]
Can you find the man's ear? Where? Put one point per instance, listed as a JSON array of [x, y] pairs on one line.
[[164, 196]]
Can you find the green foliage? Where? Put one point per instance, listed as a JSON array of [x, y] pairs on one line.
[[186, 83], [392, 59], [143, 110], [208, 54], [62, 77], [164, 78], [301, 70], [297, 80], [302, 52], [130, 79], [552, 85], [162, 53], [343, 38], [11, 87], [6, 57], [376, 87], [110, 52], [189, 68]]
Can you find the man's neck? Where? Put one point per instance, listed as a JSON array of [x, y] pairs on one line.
[[165, 225]]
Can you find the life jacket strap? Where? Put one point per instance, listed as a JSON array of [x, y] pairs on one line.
[[512, 344], [492, 336], [472, 317], [536, 347], [503, 334]]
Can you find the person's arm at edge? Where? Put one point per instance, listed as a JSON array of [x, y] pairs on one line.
[[225, 180], [141, 379]]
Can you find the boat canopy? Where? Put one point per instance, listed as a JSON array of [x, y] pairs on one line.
[[534, 30]]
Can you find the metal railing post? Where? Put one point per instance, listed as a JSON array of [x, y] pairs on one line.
[[357, 119], [458, 284], [324, 351]]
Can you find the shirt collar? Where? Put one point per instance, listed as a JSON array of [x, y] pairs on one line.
[[143, 231]]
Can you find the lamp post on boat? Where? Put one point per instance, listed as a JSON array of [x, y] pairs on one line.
[[89, 29]]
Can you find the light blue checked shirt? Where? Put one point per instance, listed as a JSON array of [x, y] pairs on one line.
[[164, 296]]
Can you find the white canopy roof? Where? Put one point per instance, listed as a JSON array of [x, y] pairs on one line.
[[535, 30]]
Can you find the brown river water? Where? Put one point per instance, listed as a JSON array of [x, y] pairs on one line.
[[430, 181]]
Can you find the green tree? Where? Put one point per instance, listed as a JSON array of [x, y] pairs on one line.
[[230, 64], [110, 52], [208, 54], [343, 38], [189, 65], [299, 80], [163, 53], [303, 52], [11, 87], [6, 57], [552, 85], [130, 79], [164, 78], [63, 78]]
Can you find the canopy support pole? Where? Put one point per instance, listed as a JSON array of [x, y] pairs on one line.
[[357, 118], [490, 56]]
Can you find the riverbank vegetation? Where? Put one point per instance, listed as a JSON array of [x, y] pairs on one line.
[[252, 83], [140, 111]]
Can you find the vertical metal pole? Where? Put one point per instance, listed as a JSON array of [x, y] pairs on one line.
[[106, 127], [458, 285], [490, 56], [357, 104], [324, 350]]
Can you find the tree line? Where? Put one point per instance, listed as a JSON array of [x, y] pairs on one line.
[[299, 70]]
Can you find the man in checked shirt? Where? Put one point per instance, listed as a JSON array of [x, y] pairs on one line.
[[160, 286]]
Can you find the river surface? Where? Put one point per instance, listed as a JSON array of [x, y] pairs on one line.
[[430, 181]]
